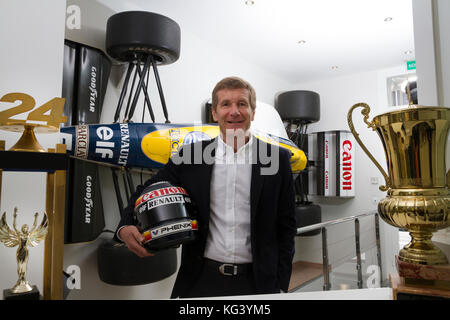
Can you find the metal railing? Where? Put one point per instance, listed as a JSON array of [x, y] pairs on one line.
[[323, 226]]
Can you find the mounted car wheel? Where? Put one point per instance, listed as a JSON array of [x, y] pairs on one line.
[[299, 105], [119, 266], [308, 214], [133, 33]]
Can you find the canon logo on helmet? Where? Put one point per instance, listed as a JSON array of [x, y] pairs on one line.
[[159, 193]]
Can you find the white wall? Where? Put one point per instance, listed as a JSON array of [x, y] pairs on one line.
[[187, 85], [337, 95], [425, 53], [30, 62], [432, 37], [441, 16]]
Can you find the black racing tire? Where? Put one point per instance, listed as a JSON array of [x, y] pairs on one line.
[[299, 105], [119, 266], [308, 214], [132, 33]]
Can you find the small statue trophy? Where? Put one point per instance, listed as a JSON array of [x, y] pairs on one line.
[[24, 238]]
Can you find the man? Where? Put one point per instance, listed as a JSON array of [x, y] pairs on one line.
[[246, 219]]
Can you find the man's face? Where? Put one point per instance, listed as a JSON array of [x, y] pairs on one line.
[[233, 110]]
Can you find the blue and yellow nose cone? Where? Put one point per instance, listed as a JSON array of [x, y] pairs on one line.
[[160, 145], [298, 158], [144, 145]]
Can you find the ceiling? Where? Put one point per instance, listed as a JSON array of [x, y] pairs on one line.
[[349, 34]]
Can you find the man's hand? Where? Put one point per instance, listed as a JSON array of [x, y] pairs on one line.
[[133, 239]]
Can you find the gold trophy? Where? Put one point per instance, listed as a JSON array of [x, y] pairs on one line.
[[22, 238], [50, 112], [414, 141]]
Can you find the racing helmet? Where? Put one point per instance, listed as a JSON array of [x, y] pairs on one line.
[[164, 215]]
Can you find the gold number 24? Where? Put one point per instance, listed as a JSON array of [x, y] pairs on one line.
[[55, 106]]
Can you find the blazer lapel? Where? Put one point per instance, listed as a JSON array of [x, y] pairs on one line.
[[204, 177], [257, 180]]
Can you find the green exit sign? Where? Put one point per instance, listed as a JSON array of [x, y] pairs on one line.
[[411, 65]]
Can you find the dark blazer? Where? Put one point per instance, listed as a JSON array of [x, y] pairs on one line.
[[273, 224]]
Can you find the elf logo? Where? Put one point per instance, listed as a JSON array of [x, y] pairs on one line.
[[104, 147]]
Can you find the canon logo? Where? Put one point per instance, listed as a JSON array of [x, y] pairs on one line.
[[159, 193], [346, 165]]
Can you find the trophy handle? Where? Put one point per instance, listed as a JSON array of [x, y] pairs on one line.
[[365, 112], [448, 178]]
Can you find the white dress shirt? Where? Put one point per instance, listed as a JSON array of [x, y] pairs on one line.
[[229, 223]]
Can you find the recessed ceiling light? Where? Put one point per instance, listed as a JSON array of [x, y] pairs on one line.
[[301, 42], [249, 2], [387, 19], [334, 67]]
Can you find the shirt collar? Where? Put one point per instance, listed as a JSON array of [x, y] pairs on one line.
[[224, 149]]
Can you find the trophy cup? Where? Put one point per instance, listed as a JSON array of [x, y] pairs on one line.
[[414, 141], [50, 112], [22, 238]]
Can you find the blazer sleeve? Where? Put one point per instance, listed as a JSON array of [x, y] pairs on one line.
[[286, 222], [168, 173]]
